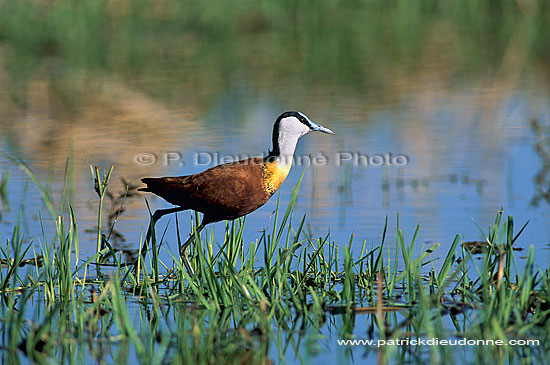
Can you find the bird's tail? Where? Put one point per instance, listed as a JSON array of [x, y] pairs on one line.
[[151, 183]]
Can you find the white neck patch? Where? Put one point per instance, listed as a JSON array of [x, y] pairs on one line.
[[290, 130]]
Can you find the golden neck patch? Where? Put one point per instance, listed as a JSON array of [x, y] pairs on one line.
[[273, 175]]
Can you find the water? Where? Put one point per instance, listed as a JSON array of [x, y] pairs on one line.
[[459, 153], [451, 91]]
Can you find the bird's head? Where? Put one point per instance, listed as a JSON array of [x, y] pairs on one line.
[[297, 123], [290, 126]]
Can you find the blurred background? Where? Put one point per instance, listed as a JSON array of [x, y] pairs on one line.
[[460, 88]]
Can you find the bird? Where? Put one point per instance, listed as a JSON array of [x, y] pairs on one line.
[[230, 191]]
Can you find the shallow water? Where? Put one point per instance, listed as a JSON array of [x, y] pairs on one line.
[[446, 156], [451, 94]]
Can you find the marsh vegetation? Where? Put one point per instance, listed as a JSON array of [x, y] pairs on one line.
[[242, 306], [384, 253]]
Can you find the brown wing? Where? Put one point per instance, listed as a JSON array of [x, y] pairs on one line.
[[223, 192]]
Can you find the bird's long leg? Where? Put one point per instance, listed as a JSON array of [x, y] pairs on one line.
[[184, 250], [158, 214]]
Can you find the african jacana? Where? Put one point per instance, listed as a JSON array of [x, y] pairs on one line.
[[230, 191]]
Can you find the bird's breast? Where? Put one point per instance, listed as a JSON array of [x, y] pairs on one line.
[[273, 175]]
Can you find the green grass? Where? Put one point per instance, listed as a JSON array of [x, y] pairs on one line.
[[266, 299], [338, 43]]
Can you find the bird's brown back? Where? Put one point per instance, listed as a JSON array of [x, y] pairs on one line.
[[222, 192]]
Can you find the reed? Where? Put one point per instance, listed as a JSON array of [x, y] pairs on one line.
[[147, 37], [282, 294]]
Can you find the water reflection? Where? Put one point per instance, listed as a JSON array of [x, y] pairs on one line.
[[468, 145], [461, 89], [542, 179]]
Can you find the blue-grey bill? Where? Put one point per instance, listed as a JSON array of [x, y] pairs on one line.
[[320, 128]]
